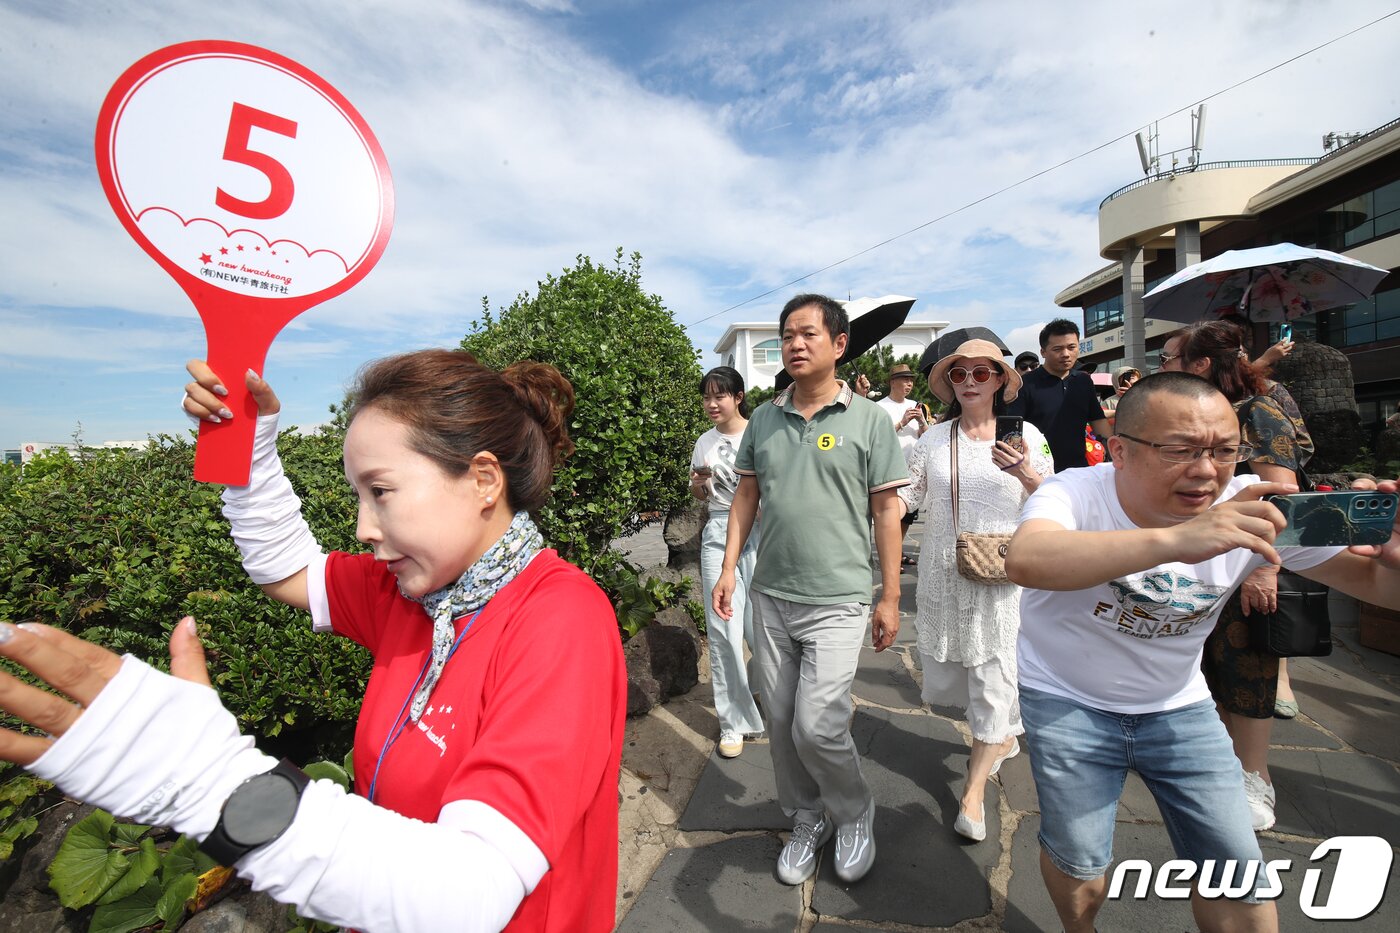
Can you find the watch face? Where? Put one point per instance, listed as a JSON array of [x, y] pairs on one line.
[[261, 809]]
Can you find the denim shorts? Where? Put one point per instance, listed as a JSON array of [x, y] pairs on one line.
[[1080, 758]]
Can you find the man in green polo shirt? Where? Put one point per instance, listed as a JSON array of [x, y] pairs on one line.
[[824, 462]]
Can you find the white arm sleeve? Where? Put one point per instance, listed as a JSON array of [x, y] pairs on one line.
[[265, 516], [164, 751]]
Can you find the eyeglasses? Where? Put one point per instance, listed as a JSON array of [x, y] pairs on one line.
[[1025, 367], [1166, 358], [957, 375], [1189, 453]]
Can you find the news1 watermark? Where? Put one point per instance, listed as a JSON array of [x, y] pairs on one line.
[[1358, 879]]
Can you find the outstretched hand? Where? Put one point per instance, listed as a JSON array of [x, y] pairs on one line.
[[1242, 521], [78, 670], [204, 397]]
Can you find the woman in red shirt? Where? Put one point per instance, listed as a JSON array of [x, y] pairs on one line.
[[488, 746]]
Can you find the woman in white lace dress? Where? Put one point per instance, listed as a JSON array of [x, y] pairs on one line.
[[967, 631]]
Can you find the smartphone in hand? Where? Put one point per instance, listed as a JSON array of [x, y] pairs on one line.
[[1009, 431], [1285, 331], [1336, 519]]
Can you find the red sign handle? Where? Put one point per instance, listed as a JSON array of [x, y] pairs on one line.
[[238, 332]]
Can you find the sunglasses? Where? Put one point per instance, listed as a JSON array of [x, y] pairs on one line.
[[958, 375]]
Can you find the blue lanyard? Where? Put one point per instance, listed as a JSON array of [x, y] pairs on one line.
[[399, 721]]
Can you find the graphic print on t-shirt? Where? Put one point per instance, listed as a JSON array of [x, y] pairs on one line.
[[429, 733], [725, 480], [1160, 605]]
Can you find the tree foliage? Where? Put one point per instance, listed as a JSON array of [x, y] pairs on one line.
[[117, 545], [637, 415], [876, 364]]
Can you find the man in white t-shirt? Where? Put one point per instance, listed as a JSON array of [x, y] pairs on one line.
[[910, 420], [1110, 648], [906, 414]]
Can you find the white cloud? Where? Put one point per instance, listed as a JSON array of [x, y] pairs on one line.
[[737, 146]]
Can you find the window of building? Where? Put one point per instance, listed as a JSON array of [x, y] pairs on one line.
[[1376, 318], [1368, 216], [768, 353], [1108, 314], [1103, 315]]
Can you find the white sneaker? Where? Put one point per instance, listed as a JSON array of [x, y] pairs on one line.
[[1261, 799], [731, 743], [855, 846], [799, 857]]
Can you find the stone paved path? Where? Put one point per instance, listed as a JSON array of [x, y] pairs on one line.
[[1335, 769]]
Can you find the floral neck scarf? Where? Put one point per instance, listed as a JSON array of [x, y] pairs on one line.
[[482, 580]]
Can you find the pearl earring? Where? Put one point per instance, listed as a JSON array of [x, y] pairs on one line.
[[489, 500]]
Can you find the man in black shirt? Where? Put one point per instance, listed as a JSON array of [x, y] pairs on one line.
[[1059, 399]]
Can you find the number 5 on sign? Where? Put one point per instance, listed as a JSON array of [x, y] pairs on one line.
[[257, 187]]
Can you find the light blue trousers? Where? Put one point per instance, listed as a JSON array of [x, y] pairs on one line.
[[729, 676]]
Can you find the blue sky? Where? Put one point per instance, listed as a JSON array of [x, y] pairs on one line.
[[737, 146]]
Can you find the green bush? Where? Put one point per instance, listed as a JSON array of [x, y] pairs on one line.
[[637, 415], [117, 545]]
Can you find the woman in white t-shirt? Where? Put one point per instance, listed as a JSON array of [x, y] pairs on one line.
[[967, 630], [712, 479]]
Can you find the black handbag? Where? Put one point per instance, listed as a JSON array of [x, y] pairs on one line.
[[1300, 627]]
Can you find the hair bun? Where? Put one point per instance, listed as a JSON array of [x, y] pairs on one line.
[[548, 398]]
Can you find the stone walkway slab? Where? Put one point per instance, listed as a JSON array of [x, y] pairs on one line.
[[913, 764], [736, 794], [728, 885], [1302, 734], [1348, 699], [1323, 794], [883, 678]]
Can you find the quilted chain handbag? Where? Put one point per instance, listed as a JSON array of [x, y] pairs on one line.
[[981, 556]]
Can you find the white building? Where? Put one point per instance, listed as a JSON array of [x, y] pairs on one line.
[[31, 449], [753, 347]]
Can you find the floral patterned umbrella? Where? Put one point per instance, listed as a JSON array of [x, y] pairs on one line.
[[1268, 283]]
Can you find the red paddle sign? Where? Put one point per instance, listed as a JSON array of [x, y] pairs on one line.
[[261, 191]]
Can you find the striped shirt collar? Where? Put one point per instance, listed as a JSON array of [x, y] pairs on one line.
[[843, 398]]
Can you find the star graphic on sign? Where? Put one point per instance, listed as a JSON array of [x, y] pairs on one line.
[[257, 249], [205, 258], [240, 248], [449, 711], [223, 250], [428, 711], [274, 252]]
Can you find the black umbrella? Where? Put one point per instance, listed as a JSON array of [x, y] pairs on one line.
[[950, 340], [866, 331]]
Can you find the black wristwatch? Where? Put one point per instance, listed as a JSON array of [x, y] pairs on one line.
[[257, 812]]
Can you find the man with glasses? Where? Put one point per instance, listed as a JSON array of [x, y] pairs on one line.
[[1173, 531], [1027, 361], [1059, 399]]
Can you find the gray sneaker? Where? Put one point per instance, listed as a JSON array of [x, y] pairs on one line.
[[855, 846], [799, 857]]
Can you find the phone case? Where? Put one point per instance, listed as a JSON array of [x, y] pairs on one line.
[[1335, 519], [1009, 430]]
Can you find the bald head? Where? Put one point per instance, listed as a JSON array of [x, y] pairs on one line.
[[1133, 406]]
